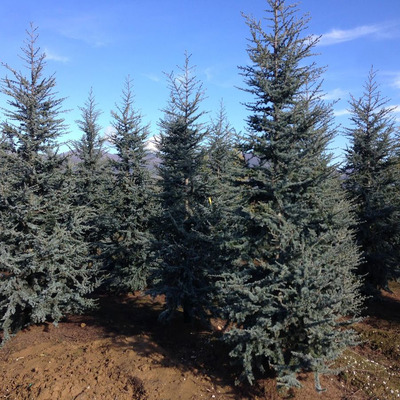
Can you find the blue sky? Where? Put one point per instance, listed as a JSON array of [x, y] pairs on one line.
[[98, 43]]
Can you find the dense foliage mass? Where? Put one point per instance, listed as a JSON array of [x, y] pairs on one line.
[[223, 173], [263, 230], [183, 241], [131, 204], [44, 265], [294, 286], [91, 174], [371, 178]]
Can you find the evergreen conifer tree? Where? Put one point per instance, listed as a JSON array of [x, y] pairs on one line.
[[182, 232], [221, 152], [132, 205], [223, 166], [92, 174], [294, 287], [371, 178], [44, 270]]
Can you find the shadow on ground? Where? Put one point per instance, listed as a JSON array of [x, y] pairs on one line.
[[387, 306], [189, 347]]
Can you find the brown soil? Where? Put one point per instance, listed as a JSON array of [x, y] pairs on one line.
[[122, 352]]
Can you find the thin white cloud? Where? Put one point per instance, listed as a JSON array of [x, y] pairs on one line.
[[391, 78], [396, 82], [180, 78], [55, 57], [90, 29], [209, 74], [217, 75], [395, 110], [341, 113], [335, 94], [152, 77], [227, 84], [336, 36]]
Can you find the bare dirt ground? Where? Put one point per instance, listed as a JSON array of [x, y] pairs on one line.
[[121, 352]]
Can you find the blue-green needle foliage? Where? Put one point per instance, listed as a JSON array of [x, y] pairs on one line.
[[293, 292], [223, 168], [183, 274], [371, 178], [131, 203], [44, 269], [92, 175]]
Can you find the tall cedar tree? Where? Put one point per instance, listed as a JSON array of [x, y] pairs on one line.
[[224, 162], [92, 175], [132, 201], [371, 177], [44, 270], [294, 287], [183, 273]]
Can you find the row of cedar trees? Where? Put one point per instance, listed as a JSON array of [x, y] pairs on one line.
[[264, 231]]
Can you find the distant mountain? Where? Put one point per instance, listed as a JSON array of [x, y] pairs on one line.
[[152, 161]]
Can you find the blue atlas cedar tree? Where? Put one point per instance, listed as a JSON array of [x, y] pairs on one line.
[[182, 233], [92, 176], [371, 179], [131, 203], [293, 292], [44, 267], [223, 166]]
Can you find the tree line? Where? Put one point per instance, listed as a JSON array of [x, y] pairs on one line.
[[262, 229]]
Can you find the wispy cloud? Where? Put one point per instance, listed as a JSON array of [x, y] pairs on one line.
[[180, 78], [335, 94], [391, 78], [87, 28], [341, 113], [336, 36], [55, 57], [209, 73], [218, 75], [227, 84], [396, 82], [396, 111], [152, 77]]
